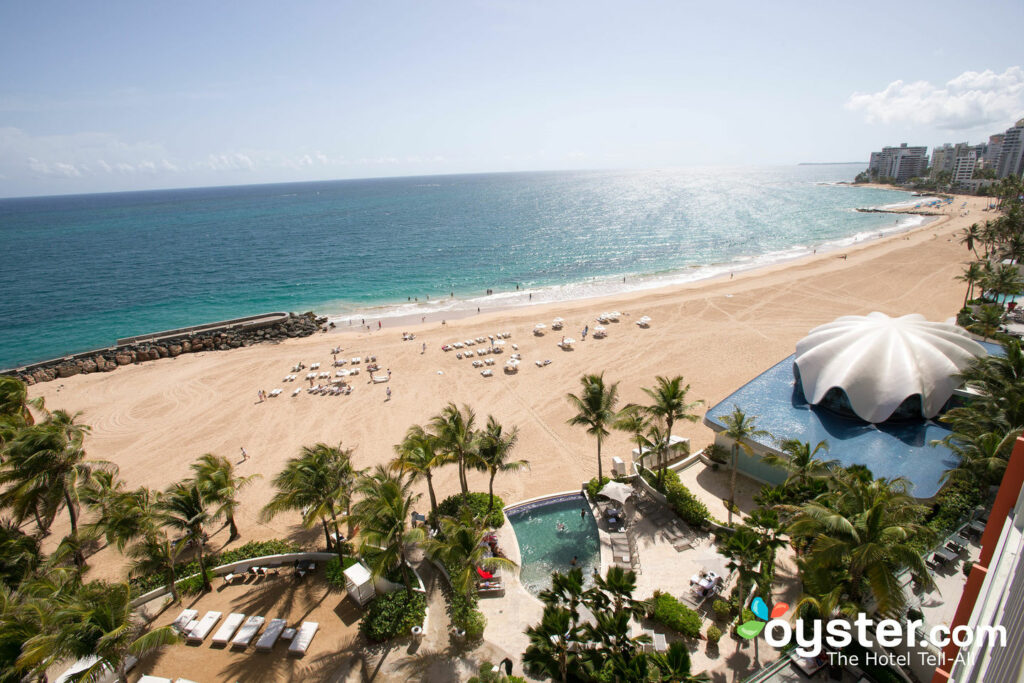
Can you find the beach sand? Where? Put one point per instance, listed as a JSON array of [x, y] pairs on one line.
[[155, 418]]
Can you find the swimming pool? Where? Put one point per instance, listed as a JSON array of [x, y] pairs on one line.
[[550, 533]]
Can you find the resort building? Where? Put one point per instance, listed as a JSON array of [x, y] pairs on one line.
[[901, 163], [994, 593], [963, 167], [994, 147], [871, 387], [943, 157], [1011, 154]]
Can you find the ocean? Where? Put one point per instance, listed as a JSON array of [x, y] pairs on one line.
[[81, 271]]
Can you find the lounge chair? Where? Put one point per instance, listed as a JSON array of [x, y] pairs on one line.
[[247, 632], [487, 373], [303, 637], [183, 620], [154, 679], [270, 635], [228, 628], [203, 628]]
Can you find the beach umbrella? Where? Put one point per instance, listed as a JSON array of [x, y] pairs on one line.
[[599, 328], [539, 326], [568, 341], [498, 342], [616, 491], [558, 321]]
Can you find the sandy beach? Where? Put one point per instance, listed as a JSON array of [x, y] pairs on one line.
[[155, 418]]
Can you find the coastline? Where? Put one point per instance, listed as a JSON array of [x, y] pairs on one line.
[[153, 419]]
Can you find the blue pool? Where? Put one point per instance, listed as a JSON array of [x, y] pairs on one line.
[[550, 533], [887, 449]]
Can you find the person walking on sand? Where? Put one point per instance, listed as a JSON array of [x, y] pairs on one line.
[[378, 324], [245, 456], [388, 393], [424, 349]]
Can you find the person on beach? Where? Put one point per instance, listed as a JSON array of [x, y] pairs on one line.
[[531, 296], [389, 373], [245, 456], [443, 323], [424, 349], [259, 396], [388, 393], [378, 324]]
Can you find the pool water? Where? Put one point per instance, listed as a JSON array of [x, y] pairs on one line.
[[545, 547]]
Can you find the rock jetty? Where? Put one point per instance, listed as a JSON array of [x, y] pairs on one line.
[[208, 338]]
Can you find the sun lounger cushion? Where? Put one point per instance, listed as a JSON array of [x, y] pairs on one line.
[[183, 619], [270, 635], [228, 628], [247, 632], [202, 629], [302, 639]]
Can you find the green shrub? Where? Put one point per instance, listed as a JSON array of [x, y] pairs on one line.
[[393, 614], [747, 615], [462, 610], [486, 675], [714, 634], [722, 609], [716, 453], [968, 566], [594, 485], [689, 508], [257, 549], [193, 585], [666, 610], [335, 570], [477, 503]]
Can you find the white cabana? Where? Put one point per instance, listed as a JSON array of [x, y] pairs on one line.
[[616, 491], [359, 583]]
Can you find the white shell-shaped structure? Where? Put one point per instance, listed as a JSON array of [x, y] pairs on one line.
[[880, 361]]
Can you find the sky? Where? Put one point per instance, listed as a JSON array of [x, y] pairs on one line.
[[113, 96]]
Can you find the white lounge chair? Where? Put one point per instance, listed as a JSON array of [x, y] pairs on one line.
[[183, 620], [154, 679], [297, 391], [228, 628], [203, 628], [247, 632], [302, 639], [270, 635], [487, 373]]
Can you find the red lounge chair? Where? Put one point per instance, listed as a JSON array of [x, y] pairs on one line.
[[484, 574]]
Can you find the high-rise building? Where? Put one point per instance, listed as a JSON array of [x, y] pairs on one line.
[[963, 166], [900, 163], [995, 146], [1011, 156]]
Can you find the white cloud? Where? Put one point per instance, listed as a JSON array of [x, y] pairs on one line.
[[234, 161], [971, 100]]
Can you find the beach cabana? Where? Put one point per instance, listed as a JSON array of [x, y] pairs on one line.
[[359, 584], [600, 332], [557, 323]]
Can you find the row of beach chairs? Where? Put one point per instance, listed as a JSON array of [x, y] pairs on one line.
[[240, 632]]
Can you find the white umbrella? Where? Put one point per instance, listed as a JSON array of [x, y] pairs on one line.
[[617, 491], [599, 328], [568, 341], [497, 342], [539, 326]]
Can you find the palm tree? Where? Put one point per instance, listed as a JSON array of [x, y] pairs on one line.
[[800, 461], [99, 621], [157, 555], [319, 484], [619, 585], [456, 436], [418, 455], [461, 547], [215, 475], [669, 404], [981, 458], [633, 420], [657, 440], [864, 528], [184, 509], [739, 427], [595, 410], [14, 400], [549, 654], [971, 235], [746, 553], [383, 515], [972, 275], [122, 516], [493, 453], [675, 665], [46, 469], [987, 321]]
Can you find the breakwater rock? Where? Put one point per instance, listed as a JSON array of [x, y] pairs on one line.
[[230, 334]]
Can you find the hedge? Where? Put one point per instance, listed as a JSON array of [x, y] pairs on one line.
[[393, 614], [477, 503], [462, 609], [686, 505], [594, 486], [666, 610], [144, 584]]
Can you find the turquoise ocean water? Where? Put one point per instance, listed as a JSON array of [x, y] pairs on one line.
[[81, 271]]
